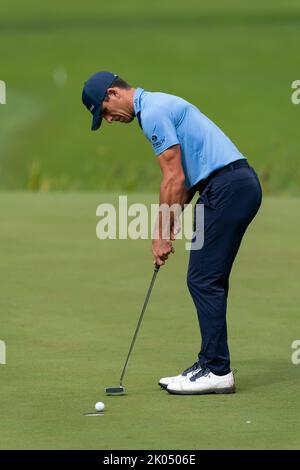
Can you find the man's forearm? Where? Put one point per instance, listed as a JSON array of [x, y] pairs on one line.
[[171, 192], [173, 196], [176, 194]]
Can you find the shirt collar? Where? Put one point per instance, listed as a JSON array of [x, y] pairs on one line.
[[137, 100]]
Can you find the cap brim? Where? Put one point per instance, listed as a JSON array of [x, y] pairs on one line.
[[97, 119]]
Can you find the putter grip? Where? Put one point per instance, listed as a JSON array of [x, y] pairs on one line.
[[156, 268]]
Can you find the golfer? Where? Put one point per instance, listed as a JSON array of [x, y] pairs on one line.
[[194, 155]]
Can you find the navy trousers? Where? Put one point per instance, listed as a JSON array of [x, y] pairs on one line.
[[231, 199]]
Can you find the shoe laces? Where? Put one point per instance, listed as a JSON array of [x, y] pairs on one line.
[[193, 368], [202, 373]]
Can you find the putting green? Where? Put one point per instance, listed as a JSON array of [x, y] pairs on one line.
[[69, 305]]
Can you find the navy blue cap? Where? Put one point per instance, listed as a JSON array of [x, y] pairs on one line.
[[94, 92]]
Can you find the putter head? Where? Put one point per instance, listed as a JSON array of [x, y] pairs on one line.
[[115, 390]]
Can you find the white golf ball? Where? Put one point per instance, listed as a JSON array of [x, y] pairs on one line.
[[99, 406]]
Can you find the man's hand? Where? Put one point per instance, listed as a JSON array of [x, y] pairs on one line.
[[161, 250]]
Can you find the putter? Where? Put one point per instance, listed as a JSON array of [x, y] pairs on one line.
[[121, 389]]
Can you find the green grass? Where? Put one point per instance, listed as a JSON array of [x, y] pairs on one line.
[[233, 59], [69, 305]]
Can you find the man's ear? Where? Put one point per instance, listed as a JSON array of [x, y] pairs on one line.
[[113, 92]]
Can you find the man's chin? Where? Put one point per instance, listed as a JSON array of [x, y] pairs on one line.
[[127, 121]]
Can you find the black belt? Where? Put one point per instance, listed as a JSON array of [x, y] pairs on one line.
[[231, 166]]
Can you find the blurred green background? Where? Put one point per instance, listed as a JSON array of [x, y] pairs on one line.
[[235, 60]]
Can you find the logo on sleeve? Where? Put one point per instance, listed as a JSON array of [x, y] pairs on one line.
[[157, 143]]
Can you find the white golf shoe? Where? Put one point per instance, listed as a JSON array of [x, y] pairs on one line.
[[186, 374], [203, 382]]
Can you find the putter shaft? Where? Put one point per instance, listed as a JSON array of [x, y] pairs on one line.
[[156, 269]]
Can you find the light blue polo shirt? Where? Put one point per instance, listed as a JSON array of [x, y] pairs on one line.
[[167, 120]]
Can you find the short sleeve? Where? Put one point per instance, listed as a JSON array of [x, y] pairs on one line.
[[162, 133]]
